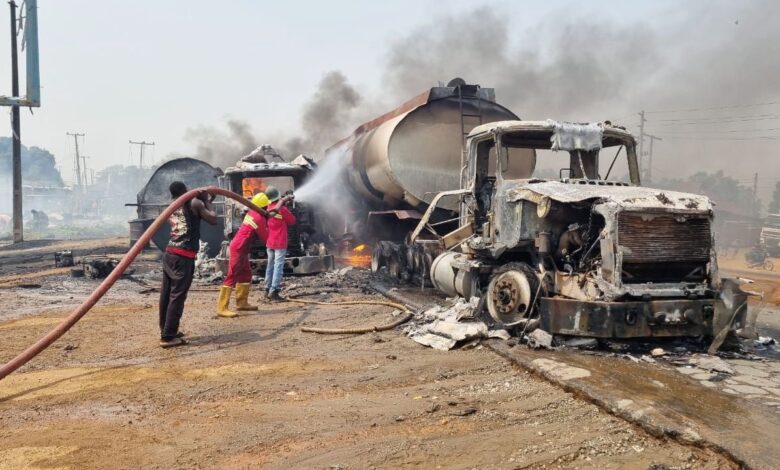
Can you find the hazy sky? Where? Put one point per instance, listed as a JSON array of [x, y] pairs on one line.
[[120, 70]]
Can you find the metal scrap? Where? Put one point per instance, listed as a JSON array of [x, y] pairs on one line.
[[63, 259], [445, 327], [711, 363], [540, 339], [99, 268], [572, 136]]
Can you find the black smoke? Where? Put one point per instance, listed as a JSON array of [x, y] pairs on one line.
[[325, 118]]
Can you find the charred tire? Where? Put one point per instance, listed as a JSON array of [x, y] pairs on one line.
[[377, 259], [511, 293], [394, 267]]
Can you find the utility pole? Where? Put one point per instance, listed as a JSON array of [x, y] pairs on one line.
[[31, 99], [141, 144], [652, 138], [16, 130], [77, 161], [642, 121], [84, 170], [755, 185]]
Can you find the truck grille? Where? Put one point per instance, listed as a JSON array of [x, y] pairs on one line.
[[661, 248]]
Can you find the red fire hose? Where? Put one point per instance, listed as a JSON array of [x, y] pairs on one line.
[[109, 281]]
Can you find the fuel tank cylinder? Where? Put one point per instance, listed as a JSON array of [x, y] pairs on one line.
[[403, 158]]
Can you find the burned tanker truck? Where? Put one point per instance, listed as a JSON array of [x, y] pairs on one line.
[[306, 250], [574, 244]]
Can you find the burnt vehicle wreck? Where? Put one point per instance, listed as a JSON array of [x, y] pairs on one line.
[[306, 250], [580, 254]]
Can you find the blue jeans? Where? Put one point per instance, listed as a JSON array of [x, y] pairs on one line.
[[275, 268]]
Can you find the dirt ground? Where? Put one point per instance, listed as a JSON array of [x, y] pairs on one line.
[[255, 392]]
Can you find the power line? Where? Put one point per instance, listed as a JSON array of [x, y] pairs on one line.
[[767, 103], [733, 131], [141, 144], [761, 137], [705, 119]]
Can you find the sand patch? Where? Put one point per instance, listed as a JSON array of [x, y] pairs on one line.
[[55, 382], [34, 458]]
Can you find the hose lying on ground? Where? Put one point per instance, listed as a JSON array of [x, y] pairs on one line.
[[359, 330], [109, 281]]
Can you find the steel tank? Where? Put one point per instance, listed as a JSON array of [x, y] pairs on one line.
[[403, 158], [155, 196]]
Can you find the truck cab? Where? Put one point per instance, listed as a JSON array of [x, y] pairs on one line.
[[578, 251], [306, 251]]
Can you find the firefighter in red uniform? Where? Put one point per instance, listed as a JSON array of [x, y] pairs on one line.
[[239, 276], [276, 246]]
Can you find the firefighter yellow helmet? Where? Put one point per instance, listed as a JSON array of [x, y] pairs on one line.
[[260, 200]]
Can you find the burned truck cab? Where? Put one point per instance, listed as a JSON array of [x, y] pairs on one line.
[[306, 251], [580, 252]]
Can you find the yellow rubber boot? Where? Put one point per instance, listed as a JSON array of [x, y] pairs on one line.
[[242, 297], [223, 302]]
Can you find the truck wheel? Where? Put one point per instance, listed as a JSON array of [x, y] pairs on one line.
[[376, 258], [769, 266], [510, 293], [394, 267]]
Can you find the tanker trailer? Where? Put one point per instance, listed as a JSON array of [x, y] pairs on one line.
[[396, 163], [154, 197]]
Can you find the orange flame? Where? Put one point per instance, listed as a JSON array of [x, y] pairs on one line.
[[357, 257]]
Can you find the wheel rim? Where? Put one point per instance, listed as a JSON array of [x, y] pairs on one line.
[[508, 296]]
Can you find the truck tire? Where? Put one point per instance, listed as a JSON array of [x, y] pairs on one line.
[[512, 293], [377, 258]]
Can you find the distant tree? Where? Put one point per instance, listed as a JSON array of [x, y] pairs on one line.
[[718, 187], [39, 166], [124, 176], [774, 206]]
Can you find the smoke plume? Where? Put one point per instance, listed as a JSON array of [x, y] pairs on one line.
[[578, 67], [325, 118], [575, 66], [327, 115], [222, 148]]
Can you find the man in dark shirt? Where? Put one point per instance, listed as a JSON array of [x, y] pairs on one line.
[[179, 261]]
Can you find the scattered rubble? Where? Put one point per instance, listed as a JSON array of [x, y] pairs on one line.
[[100, 268], [63, 259], [658, 352], [539, 339], [710, 363], [581, 343], [445, 327]]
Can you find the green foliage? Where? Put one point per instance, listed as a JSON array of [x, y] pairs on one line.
[[38, 165], [724, 190]]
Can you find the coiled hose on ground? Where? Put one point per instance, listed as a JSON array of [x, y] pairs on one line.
[[109, 281], [358, 330]]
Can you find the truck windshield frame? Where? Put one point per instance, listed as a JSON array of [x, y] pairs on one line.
[[583, 165]]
